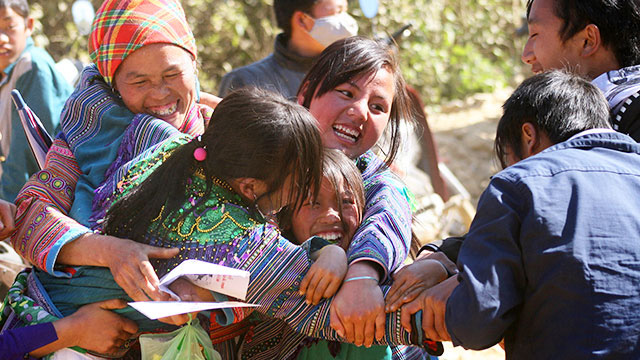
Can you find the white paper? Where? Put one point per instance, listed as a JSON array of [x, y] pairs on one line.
[[221, 279], [218, 278], [158, 309]]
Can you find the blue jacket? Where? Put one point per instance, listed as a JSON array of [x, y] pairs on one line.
[[552, 258], [45, 90]]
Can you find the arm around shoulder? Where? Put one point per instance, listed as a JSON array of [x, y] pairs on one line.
[[42, 224]]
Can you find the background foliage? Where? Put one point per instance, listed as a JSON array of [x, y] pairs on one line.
[[456, 47]]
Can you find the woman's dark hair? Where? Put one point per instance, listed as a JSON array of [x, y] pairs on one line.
[[558, 103], [617, 20], [253, 133], [337, 168], [20, 7], [349, 59]]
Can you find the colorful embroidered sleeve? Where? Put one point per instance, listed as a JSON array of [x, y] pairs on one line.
[[384, 236], [42, 224]]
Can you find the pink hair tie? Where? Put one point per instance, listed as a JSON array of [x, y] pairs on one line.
[[200, 153]]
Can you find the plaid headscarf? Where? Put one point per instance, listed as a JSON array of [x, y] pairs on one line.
[[123, 26]]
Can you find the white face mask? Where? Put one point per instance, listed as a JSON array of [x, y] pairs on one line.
[[332, 28]]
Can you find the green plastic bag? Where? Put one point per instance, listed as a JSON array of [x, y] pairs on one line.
[[188, 342]]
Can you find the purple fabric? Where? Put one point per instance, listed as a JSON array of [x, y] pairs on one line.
[[16, 343]]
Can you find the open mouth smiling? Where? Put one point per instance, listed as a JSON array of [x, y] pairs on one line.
[[162, 111], [331, 236], [345, 133]]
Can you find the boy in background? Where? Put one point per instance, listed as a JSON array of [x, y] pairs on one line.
[[31, 71]]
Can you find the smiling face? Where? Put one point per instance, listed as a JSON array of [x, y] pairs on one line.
[[159, 80], [14, 31], [325, 218], [353, 115], [545, 49]]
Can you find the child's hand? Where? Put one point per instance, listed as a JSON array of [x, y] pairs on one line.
[[325, 275]]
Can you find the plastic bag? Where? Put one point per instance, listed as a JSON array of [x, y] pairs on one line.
[[189, 342]]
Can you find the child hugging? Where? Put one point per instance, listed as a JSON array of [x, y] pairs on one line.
[[334, 213]]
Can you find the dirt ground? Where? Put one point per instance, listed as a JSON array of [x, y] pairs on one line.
[[464, 132]]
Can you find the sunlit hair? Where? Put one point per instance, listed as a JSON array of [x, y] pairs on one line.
[[339, 168], [253, 134], [617, 20], [20, 7], [557, 103], [348, 60]]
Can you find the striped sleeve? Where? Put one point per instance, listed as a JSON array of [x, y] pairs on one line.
[[42, 224], [384, 237], [277, 268]]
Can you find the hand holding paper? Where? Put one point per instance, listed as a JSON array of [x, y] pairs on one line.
[[221, 279]]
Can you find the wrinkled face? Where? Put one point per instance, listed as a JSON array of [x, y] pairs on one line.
[[323, 217], [159, 80], [544, 49], [14, 31], [353, 116]]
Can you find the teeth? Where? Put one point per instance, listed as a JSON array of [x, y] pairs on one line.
[[333, 237], [168, 111], [346, 133]]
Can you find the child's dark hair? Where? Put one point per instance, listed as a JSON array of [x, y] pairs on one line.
[[253, 133], [337, 168], [352, 58], [556, 102], [20, 7]]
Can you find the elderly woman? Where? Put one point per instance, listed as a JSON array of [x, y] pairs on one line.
[[145, 65]]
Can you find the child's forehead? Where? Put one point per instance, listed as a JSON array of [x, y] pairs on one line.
[[7, 14], [331, 184]]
